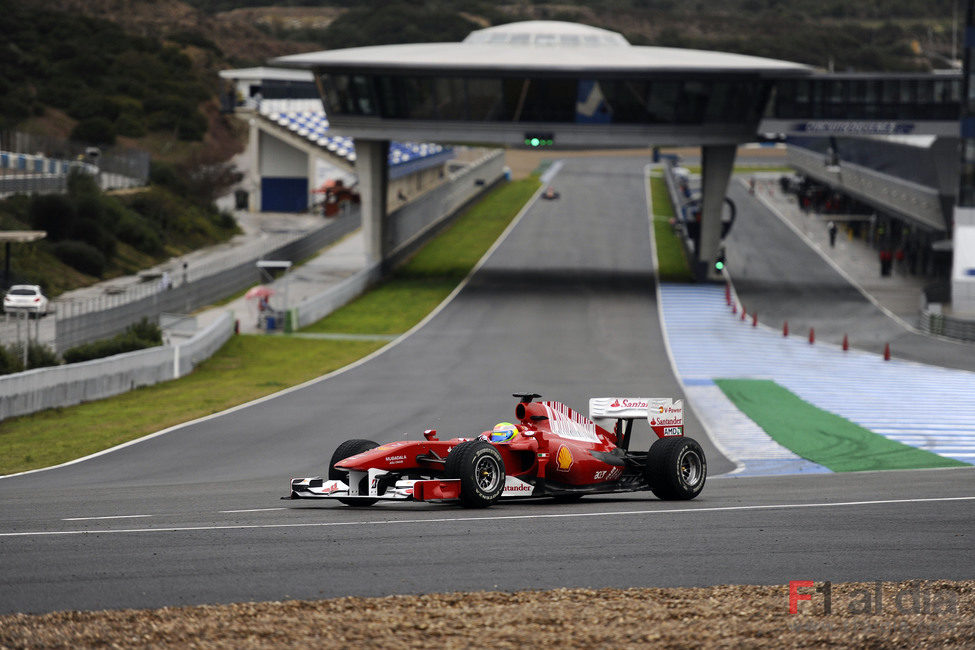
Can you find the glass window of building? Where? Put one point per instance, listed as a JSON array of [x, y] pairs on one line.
[[549, 100], [627, 100], [485, 99], [693, 102], [662, 102]]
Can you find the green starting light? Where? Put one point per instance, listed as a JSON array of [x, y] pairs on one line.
[[539, 140], [718, 265]]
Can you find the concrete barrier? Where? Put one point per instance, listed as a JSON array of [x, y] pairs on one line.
[[43, 388]]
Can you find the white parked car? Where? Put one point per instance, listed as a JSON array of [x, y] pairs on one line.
[[25, 297]]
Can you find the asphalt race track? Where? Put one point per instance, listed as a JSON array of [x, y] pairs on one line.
[[564, 307]]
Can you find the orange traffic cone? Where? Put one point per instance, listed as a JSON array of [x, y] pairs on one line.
[[812, 336], [846, 343]]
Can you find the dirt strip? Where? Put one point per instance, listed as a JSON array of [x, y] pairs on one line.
[[916, 614]]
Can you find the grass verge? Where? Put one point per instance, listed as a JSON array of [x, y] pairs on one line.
[[821, 436], [671, 259], [248, 367]]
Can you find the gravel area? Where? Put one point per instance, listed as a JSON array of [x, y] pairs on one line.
[[915, 614]]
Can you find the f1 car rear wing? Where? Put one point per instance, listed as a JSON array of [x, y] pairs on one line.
[[665, 415]]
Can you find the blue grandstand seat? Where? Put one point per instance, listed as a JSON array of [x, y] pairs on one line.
[[299, 117]]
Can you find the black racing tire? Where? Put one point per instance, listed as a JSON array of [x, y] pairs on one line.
[[343, 451], [676, 468], [480, 468]]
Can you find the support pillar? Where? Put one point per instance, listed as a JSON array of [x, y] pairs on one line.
[[963, 263], [254, 172], [717, 162], [372, 168]]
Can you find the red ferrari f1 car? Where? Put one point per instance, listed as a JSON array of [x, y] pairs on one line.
[[552, 451]]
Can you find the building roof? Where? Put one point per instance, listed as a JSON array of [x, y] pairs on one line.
[[266, 74], [548, 46]]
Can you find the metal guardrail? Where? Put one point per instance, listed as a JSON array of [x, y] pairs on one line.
[[933, 322]]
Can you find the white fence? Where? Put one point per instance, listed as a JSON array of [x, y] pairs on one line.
[[58, 386]]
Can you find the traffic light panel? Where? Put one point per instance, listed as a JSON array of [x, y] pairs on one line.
[[719, 261], [536, 140]]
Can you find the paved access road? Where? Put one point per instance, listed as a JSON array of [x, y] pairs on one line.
[[565, 307]]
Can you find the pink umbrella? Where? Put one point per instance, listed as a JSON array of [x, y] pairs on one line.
[[260, 291]]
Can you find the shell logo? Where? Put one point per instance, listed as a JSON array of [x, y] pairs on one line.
[[563, 459]]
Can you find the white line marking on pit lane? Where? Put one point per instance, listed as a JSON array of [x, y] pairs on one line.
[[229, 512], [566, 515], [111, 517]]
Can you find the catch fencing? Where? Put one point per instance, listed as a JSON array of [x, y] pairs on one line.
[[37, 164], [105, 316]]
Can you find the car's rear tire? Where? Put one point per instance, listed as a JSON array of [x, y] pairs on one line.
[[343, 451], [676, 468], [480, 468]]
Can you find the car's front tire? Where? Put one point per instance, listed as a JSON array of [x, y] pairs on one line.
[[676, 468], [480, 468], [343, 451]]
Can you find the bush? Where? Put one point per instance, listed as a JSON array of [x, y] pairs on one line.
[[81, 256], [54, 213], [130, 126], [139, 336], [9, 360], [41, 356], [138, 234], [95, 130], [147, 331]]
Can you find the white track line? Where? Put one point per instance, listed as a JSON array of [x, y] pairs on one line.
[[448, 520], [230, 512], [108, 517]]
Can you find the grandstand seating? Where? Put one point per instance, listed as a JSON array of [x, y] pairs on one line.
[[306, 119]]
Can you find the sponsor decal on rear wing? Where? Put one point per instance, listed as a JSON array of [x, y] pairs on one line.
[[624, 408], [665, 415]]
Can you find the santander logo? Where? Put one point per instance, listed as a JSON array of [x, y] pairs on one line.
[[629, 403]]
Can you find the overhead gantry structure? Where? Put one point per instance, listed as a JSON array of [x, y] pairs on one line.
[[554, 84]]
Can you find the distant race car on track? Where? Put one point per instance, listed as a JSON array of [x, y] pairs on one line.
[[550, 451]]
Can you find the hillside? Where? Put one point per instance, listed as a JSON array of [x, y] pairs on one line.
[[146, 71], [871, 35]]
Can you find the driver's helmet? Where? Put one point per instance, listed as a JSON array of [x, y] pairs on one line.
[[504, 432]]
